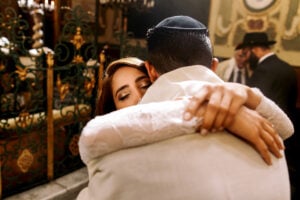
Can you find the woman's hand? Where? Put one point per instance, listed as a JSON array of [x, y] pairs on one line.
[[223, 106], [223, 102], [254, 129], [259, 132]]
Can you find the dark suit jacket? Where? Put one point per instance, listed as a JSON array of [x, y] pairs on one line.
[[278, 81]]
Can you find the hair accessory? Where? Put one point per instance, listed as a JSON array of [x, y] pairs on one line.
[[129, 61]]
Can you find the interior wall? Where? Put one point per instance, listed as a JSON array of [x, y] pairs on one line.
[[229, 20], [139, 22]]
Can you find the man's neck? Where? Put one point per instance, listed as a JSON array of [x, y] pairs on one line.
[[162, 86], [266, 56]]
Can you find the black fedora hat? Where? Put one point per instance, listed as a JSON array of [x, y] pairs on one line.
[[256, 39]]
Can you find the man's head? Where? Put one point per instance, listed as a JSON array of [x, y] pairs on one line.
[[259, 45], [256, 39], [241, 56], [178, 41]]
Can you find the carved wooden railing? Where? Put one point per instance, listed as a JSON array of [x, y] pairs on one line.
[[46, 97]]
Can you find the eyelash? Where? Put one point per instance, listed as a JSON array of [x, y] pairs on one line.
[[145, 85], [123, 97]]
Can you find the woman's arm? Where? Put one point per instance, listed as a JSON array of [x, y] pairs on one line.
[[133, 126], [148, 123], [269, 110], [224, 100]]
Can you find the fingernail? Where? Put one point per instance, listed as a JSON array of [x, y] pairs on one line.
[[192, 104], [270, 163], [221, 128], [204, 131], [187, 116]]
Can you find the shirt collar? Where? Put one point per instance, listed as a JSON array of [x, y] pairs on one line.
[[162, 88], [265, 56]]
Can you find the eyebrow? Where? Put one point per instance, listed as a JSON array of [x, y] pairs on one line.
[[141, 78], [126, 86], [121, 88]]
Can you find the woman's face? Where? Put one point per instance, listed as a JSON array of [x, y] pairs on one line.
[[242, 57], [128, 86]]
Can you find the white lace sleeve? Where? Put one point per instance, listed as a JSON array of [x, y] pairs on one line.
[[267, 108], [282, 124], [133, 126]]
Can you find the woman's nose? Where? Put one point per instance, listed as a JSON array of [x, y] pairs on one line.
[[138, 96]]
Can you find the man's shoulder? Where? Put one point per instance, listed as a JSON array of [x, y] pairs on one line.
[[194, 72], [276, 64], [186, 161], [225, 65], [225, 62], [168, 87]]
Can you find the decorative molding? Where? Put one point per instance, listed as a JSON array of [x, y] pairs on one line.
[[25, 160], [73, 145], [294, 29]]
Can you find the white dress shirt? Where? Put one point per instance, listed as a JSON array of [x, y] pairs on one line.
[[228, 71], [217, 166]]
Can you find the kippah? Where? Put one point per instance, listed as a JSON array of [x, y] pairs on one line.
[[176, 24], [181, 23]]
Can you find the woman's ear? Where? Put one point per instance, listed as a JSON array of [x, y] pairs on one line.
[[214, 64], [153, 74]]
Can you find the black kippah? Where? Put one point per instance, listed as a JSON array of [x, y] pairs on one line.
[[181, 23], [172, 25]]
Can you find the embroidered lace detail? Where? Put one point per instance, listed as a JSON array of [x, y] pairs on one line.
[[282, 124], [134, 126]]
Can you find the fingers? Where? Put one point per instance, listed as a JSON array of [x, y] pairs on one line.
[[199, 115], [235, 105], [252, 127], [212, 110], [277, 139], [271, 144], [263, 150], [195, 103], [225, 113], [217, 108], [265, 145], [224, 101], [223, 105], [269, 141]]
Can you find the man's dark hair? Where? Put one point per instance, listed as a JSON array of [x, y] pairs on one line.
[[178, 41]]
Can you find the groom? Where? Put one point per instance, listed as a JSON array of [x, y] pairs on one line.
[[215, 166]]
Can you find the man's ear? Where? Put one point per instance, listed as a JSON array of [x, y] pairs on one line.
[[214, 64], [153, 74]]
